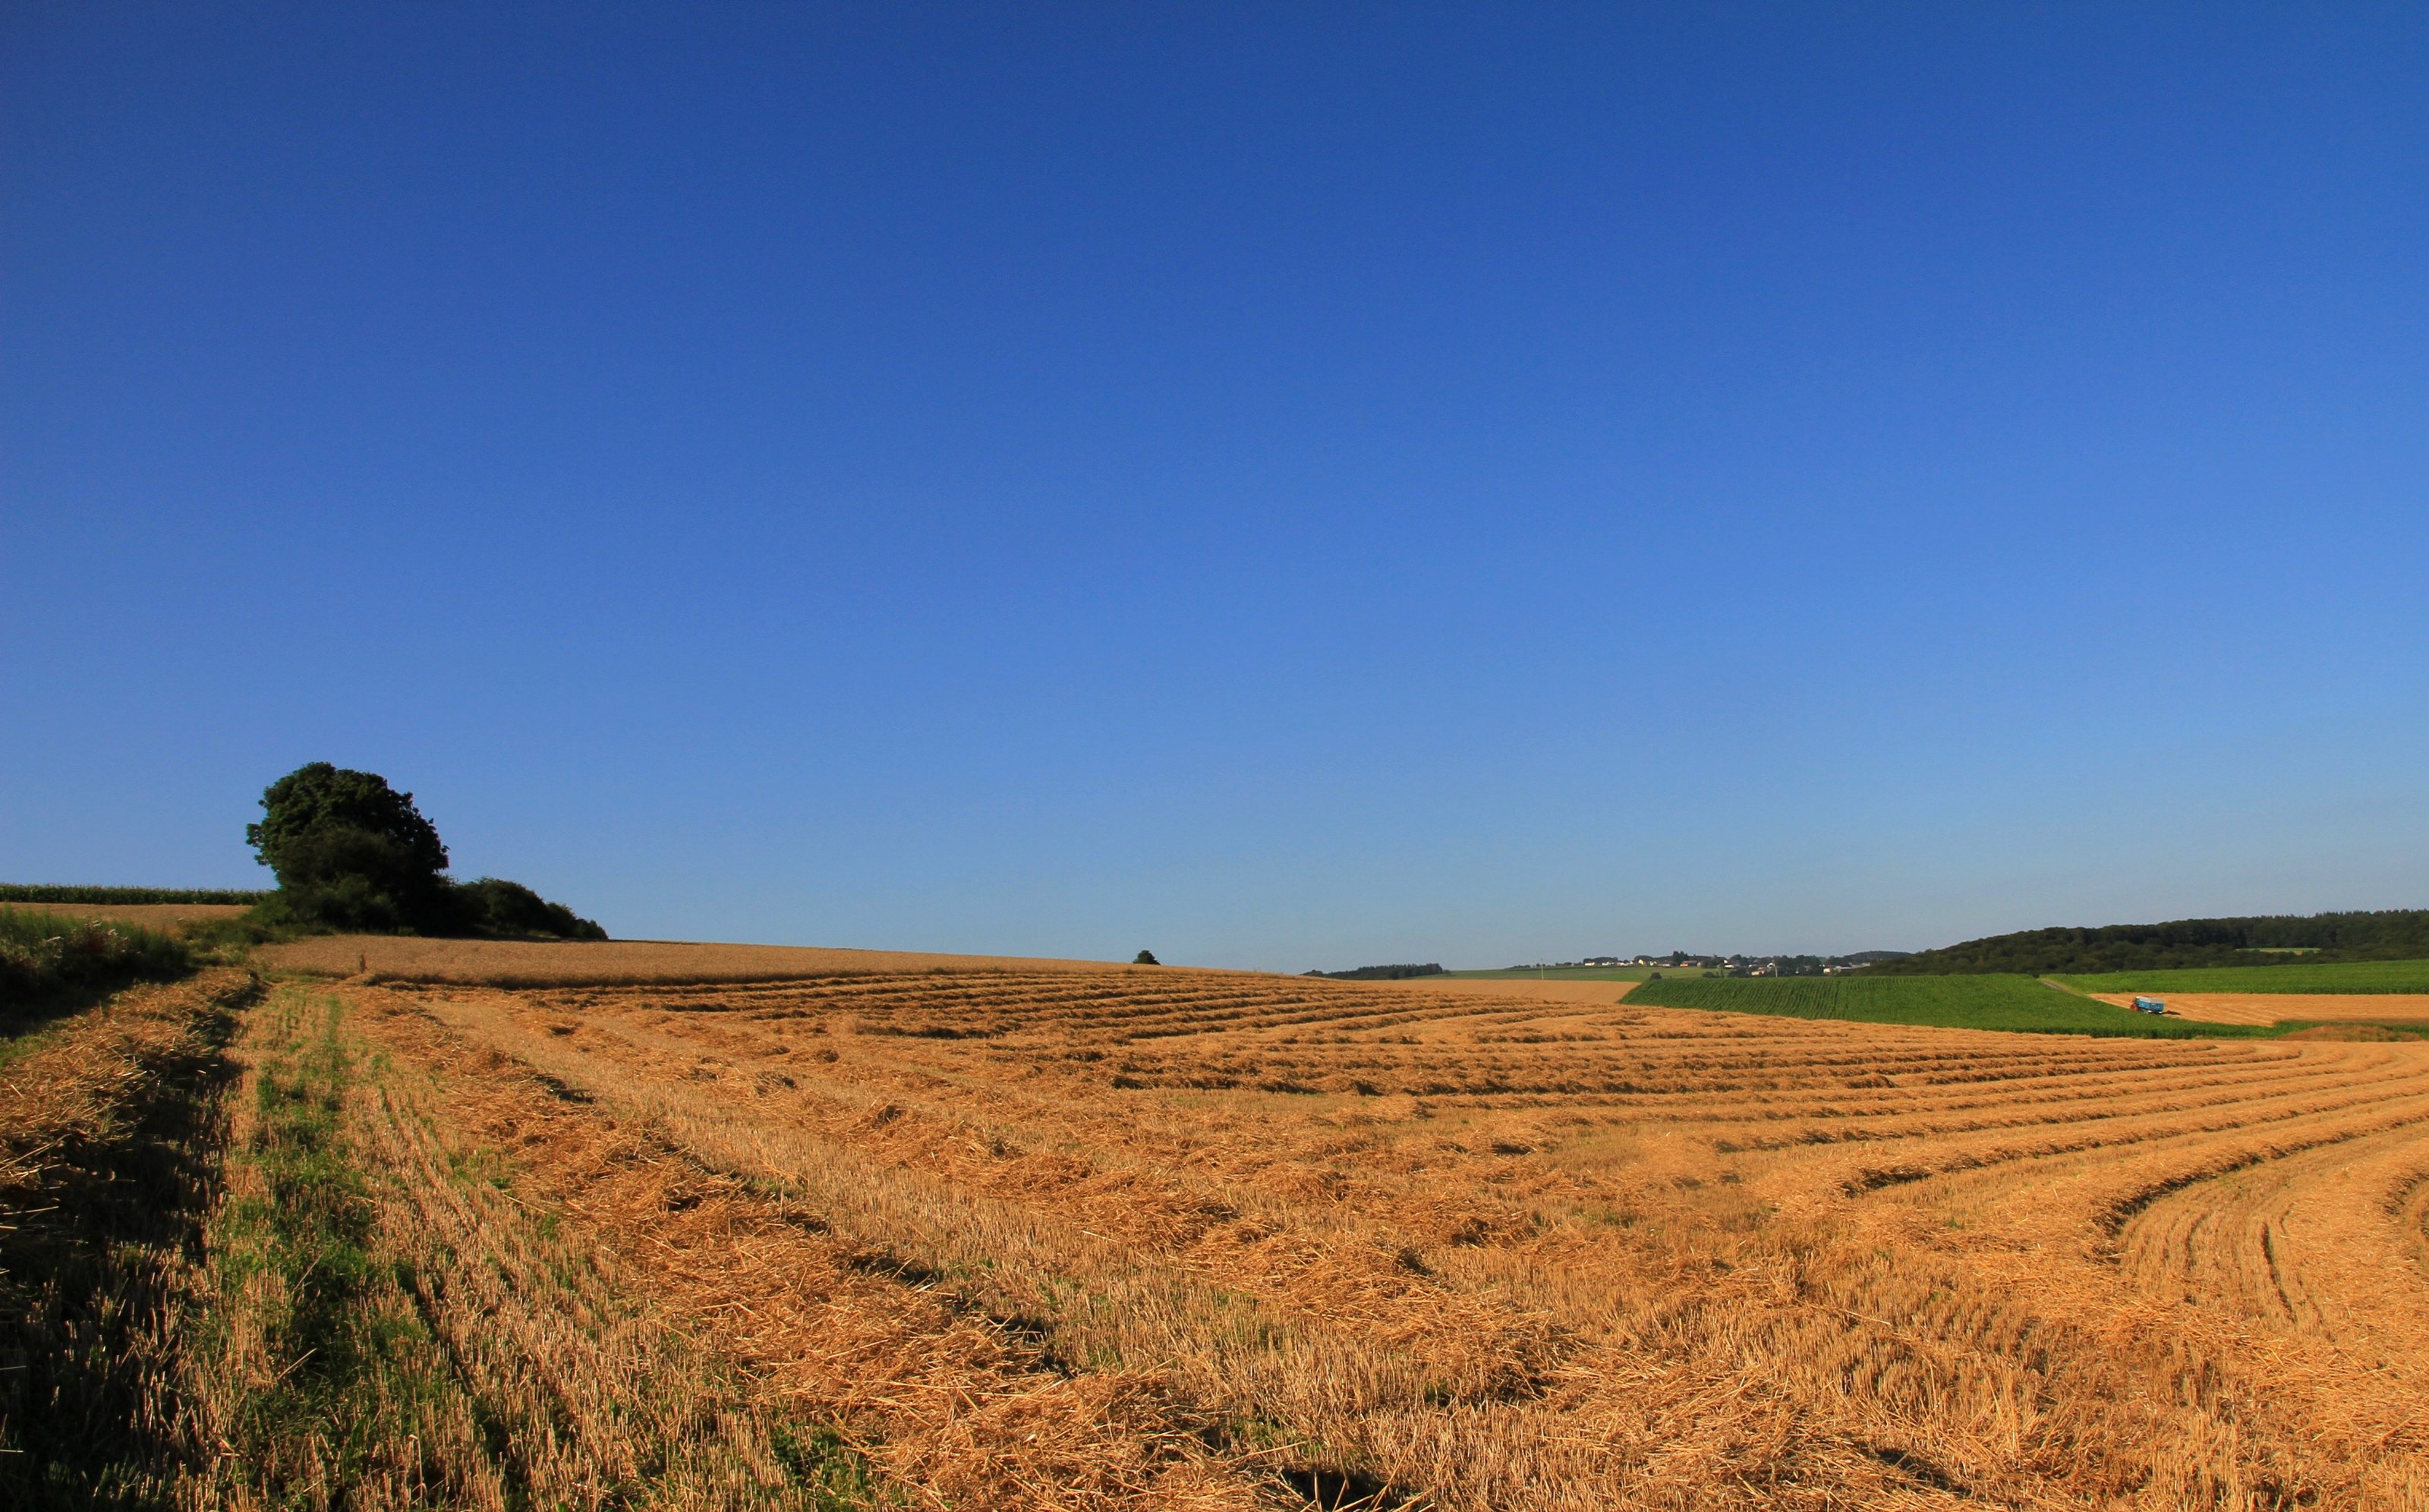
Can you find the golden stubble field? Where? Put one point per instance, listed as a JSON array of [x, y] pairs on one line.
[[1176, 1238]]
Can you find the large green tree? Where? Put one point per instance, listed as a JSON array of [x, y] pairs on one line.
[[351, 852]]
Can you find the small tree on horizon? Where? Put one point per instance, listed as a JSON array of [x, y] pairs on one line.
[[1145, 958]]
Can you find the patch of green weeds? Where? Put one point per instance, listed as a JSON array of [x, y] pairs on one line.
[[831, 1473]]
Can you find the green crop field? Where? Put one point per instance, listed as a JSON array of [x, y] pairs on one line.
[[2328, 977], [44, 892], [1578, 973], [1975, 1002]]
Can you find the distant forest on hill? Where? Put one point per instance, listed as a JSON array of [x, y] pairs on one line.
[[2388, 934]]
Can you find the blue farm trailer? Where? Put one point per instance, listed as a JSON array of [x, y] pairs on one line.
[[2150, 1005]]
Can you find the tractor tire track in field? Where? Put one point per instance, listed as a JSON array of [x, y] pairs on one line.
[[2308, 1238]]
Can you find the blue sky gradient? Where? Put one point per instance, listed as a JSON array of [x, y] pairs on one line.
[[1282, 486]]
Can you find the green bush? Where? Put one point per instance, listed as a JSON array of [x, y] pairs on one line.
[[495, 906], [45, 955]]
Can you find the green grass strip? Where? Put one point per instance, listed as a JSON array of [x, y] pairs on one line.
[[338, 1360]]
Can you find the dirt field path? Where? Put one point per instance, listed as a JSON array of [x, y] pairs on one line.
[[2277, 1008]]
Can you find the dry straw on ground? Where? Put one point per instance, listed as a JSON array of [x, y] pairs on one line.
[[1116, 1238], [1104, 1239], [109, 1123]]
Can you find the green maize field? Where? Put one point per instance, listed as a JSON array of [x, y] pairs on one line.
[[2019, 1004]]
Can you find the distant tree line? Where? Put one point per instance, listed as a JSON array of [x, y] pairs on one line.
[[352, 854], [1432, 968], [2387, 934]]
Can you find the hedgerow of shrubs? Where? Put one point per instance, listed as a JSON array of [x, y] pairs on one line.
[[352, 854], [42, 955]]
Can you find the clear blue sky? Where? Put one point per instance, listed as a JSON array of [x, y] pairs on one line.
[[1289, 486]]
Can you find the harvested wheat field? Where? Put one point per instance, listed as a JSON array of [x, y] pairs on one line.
[[1058, 1238], [2281, 1008], [1178, 1238]]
